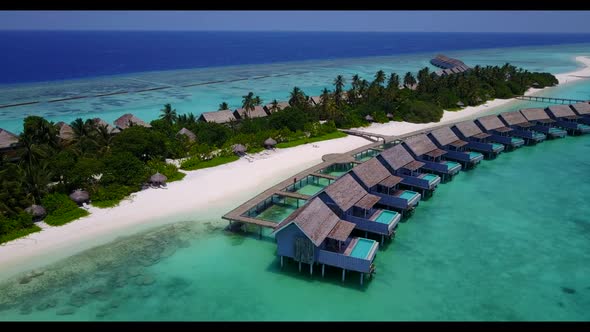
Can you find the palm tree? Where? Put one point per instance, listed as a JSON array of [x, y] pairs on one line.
[[274, 106], [104, 139], [80, 129], [257, 101], [223, 106], [297, 98], [338, 88], [393, 82], [168, 114], [409, 80], [380, 77], [248, 103], [355, 82]]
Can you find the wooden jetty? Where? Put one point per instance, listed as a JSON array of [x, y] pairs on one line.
[[366, 135], [552, 100]]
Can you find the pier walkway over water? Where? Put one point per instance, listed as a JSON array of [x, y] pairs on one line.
[[553, 100]]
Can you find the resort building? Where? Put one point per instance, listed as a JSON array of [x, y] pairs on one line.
[[66, 133], [189, 134], [476, 139], [315, 100], [522, 128], [354, 204], [568, 120], [8, 141], [456, 148], [128, 120], [422, 149], [542, 122], [314, 234], [256, 112], [492, 125], [280, 106], [98, 122], [222, 116], [400, 162], [582, 109], [378, 181]]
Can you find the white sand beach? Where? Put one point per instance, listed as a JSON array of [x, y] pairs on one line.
[[206, 194]]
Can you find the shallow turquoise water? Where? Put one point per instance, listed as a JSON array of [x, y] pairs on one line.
[[506, 241], [362, 248], [277, 212], [313, 188], [386, 217]]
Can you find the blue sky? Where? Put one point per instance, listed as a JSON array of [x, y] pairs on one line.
[[441, 21]]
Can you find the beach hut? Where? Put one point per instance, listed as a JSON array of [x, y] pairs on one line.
[[498, 131], [239, 149], [352, 203], [257, 112], [377, 180], [222, 116], [127, 120], [444, 138], [98, 122], [80, 196], [400, 162], [434, 159], [65, 132], [315, 100], [37, 211], [158, 179], [568, 120], [542, 122], [476, 139], [280, 106], [8, 140], [270, 143], [314, 234], [522, 128], [188, 134], [582, 109], [369, 118]]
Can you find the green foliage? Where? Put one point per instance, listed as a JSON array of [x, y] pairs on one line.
[[18, 233], [61, 217], [111, 195], [194, 163], [418, 111], [290, 144], [124, 168], [143, 143]]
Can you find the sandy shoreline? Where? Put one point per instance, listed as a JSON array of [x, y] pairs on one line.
[[208, 193]]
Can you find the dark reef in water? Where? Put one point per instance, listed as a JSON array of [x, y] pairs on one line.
[[568, 290]]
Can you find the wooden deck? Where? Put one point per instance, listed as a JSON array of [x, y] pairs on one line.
[[366, 135], [553, 100], [325, 176]]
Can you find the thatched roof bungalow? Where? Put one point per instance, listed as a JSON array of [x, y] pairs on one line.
[[8, 140], [239, 149], [270, 143], [566, 118], [423, 149], [581, 108], [80, 196], [400, 162], [66, 133], [37, 211], [257, 112], [189, 134], [222, 116], [98, 122], [128, 120], [315, 100], [499, 132], [456, 148], [280, 106], [477, 140]]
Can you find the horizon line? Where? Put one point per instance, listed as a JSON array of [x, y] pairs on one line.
[[299, 31]]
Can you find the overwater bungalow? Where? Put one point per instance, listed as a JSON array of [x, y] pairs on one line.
[[314, 234], [522, 127], [400, 162], [476, 139], [581, 109], [377, 180], [128, 120], [257, 112], [542, 122], [98, 122], [457, 149], [8, 140], [568, 120], [188, 134], [222, 116], [66, 133], [422, 149], [492, 125], [280, 106], [354, 204]]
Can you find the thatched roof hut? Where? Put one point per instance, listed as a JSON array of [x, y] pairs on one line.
[[239, 149], [581, 108], [280, 106], [491, 122], [536, 114], [270, 143], [315, 100], [514, 118], [468, 128], [127, 120], [422, 145], [222, 116], [37, 211], [98, 122], [257, 112], [158, 179], [369, 118], [460, 104], [66, 132], [346, 193], [445, 136], [372, 172], [189, 134], [7, 139], [390, 115], [398, 157], [80, 196], [560, 111]]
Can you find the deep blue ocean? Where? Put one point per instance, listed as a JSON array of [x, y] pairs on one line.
[[35, 56]]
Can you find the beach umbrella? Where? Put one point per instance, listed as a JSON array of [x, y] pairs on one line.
[[37, 211], [270, 143], [369, 117], [80, 196], [239, 149], [158, 178]]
